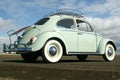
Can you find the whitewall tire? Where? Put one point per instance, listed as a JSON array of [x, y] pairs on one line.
[[109, 53], [52, 51]]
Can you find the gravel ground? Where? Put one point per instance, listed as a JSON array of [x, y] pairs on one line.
[[12, 67]]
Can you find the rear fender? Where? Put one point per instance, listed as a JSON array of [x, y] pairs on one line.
[[43, 38]]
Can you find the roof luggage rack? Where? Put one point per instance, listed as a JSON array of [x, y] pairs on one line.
[[71, 12]]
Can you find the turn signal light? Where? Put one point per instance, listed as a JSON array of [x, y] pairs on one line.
[[33, 39]]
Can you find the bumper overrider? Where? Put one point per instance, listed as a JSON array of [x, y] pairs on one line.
[[18, 48]]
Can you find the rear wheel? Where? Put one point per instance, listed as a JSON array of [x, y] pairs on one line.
[[109, 53], [52, 51], [30, 57], [82, 57]]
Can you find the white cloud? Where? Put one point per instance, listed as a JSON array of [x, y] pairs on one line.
[[20, 8], [107, 12], [113, 7], [6, 41], [2, 41], [109, 26], [13, 8], [110, 7], [6, 25], [103, 23], [68, 4]]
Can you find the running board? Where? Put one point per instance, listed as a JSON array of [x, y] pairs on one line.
[[83, 53]]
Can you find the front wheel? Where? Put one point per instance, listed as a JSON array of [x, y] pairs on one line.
[[52, 51], [109, 53]]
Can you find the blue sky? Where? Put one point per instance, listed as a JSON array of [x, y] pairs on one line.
[[102, 14]]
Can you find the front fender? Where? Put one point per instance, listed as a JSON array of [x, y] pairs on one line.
[[102, 45], [42, 39]]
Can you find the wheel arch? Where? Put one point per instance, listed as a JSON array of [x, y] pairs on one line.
[[112, 43], [61, 42], [103, 43], [43, 38]]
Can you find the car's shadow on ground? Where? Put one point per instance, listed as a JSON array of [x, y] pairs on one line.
[[69, 61], [61, 61]]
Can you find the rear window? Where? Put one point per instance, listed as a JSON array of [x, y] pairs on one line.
[[42, 21]]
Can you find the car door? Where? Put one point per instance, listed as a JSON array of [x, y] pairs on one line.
[[67, 29], [86, 37]]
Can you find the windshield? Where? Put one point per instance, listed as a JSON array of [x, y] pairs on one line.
[[42, 21]]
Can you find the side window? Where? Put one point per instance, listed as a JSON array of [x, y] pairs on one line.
[[42, 21], [83, 26], [65, 23]]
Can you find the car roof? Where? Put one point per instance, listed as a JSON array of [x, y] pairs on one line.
[[68, 13]]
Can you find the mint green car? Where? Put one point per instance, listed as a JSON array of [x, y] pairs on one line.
[[61, 33]]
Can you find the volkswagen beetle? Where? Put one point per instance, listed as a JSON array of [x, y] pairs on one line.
[[64, 32]]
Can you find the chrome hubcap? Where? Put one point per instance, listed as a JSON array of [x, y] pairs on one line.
[[110, 52], [52, 50]]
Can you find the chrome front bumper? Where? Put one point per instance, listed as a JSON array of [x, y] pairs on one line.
[[19, 48]]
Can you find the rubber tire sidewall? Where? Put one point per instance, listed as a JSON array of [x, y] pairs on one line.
[[45, 54], [106, 56]]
